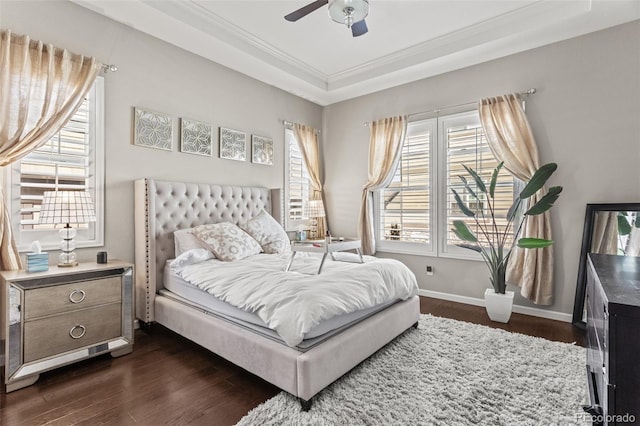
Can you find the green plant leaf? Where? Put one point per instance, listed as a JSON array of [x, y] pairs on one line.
[[538, 180], [513, 209], [468, 187], [470, 247], [624, 227], [462, 232], [637, 221], [494, 179], [545, 202], [479, 182], [532, 243], [462, 205]]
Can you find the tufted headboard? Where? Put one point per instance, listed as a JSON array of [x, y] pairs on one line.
[[162, 207]]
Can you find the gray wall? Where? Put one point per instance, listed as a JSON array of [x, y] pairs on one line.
[[585, 117], [161, 77]]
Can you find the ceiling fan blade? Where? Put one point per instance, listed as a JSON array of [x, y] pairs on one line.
[[359, 28], [304, 11]]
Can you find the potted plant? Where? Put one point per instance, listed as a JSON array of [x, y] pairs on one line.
[[496, 247]]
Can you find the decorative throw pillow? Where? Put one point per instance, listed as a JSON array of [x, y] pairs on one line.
[[268, 233], [227, 241], [184, 240]]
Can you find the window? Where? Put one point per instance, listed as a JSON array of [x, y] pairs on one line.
[[71, 160], [297, 186], [405, 205], [419, 196]]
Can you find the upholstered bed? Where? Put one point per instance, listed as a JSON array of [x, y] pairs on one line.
[[162, 207]]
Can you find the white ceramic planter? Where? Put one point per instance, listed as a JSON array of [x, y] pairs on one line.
[[498, 306]]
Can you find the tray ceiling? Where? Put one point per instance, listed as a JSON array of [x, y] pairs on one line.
[[319, 60]]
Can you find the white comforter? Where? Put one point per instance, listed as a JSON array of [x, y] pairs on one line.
[[294, 302]]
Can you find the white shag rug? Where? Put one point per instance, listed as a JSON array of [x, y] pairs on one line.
[[448, 372]]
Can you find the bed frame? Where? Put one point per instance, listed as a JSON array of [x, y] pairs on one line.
[[162, 207]]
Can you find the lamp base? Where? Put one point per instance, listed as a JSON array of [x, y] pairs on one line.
[[67, 258]]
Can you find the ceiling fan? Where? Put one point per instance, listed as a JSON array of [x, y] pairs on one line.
[[348, 12]]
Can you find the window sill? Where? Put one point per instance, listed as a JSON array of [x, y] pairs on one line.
[[406, 251], [471, 256], [50, 247]]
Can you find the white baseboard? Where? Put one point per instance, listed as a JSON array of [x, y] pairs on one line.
[[526, 310]]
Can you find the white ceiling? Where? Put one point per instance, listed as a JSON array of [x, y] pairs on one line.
[[319, 60]]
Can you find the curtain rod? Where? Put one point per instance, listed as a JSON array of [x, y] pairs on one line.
[[105, 67], [437, 110], [289, 125]]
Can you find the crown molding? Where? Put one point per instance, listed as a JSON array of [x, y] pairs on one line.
[[190, 26], [534, 15], [528, 17], [197, 16]]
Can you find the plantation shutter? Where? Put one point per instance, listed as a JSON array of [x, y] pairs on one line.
[[298, 194], [60, 164], [405, 203], [467, 145]]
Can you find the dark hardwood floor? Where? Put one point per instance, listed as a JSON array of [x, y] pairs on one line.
[[524, 324], [170, 380]]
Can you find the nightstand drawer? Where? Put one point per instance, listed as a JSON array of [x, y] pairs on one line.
[[56, 299], [65, 332]]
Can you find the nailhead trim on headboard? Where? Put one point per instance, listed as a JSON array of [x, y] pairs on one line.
[[147, 257], [169, 206]]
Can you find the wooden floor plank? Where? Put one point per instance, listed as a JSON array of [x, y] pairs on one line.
[[170, 380]]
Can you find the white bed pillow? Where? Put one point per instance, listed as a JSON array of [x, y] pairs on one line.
[[268, 233], [184, 240], [227, 241], [191, 257]]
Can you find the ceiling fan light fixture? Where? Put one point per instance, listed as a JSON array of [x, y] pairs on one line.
[[348, 12]]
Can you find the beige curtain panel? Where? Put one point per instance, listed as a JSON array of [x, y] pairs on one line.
[[604, 239], [41, 87], [385, 144], [633, 244], [307, 138], [510, 138]]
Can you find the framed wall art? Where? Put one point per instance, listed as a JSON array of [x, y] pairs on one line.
[[233, 144], [152, 129], [261, 150], [196, 137]]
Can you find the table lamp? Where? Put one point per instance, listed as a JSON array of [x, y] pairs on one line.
[[315, 210], [67, 207]]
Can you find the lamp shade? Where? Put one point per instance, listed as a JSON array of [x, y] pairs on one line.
[[66, 207], [315, 208]]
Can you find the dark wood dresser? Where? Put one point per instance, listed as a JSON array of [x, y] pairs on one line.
[[613, 338]]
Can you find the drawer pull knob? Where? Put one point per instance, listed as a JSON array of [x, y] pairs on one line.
[[77, 299], [74, 331]]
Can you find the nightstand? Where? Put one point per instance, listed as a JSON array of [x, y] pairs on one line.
[[64, 315]]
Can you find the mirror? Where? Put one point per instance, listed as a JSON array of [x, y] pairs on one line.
[[608, 229]]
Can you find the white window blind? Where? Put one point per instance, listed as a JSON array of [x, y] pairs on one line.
[[405, 203], [60, 164], [72, 160], [417, 208], [297, 185], [466, 145]]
